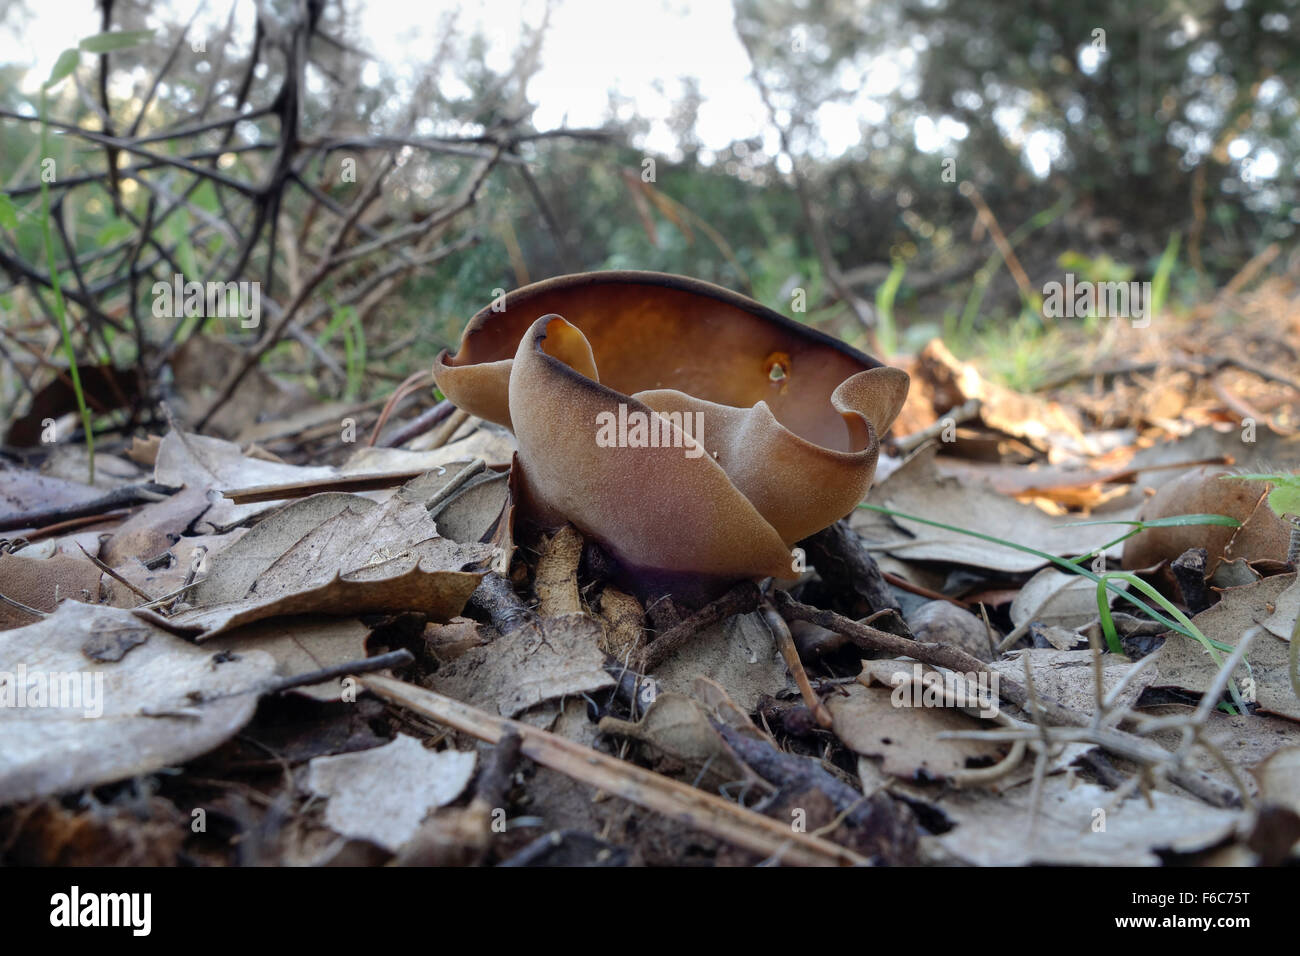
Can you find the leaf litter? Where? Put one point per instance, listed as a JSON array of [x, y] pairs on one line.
[[230, 608]]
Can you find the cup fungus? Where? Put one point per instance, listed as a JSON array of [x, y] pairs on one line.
[[687, 429]]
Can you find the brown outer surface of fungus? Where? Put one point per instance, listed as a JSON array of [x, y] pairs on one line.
[[786, 454]]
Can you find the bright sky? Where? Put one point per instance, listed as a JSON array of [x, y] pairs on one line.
[[640, 49], [592, 46]]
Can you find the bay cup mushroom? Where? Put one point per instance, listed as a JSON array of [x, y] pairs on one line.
[[689, 430]]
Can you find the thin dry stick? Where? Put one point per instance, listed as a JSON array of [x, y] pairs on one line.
[[741, 599], [709, 813], [442, 434], [781, 633], [398, 658], [114, 575], [170, 596], [1076, 726], [196, 559], [969, 190], [422, 423], [1044, 751], [412, 383], [962, 413], [453, 486], [939, 655]]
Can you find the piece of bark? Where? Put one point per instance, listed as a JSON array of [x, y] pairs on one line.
[[1189, 571], [890, 826], [847, 568], [495, 596]]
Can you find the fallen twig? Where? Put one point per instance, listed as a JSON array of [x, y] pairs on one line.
[[149, 598], [412, 384], [962, 413], [704, 811], [367, 665], [741, 599], [1075, 726], [457, 482], [117, 498], [442, 435], [430, 418], [313, 486], [781, 634]]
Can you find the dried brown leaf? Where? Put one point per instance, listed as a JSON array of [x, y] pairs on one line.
[[163, 700], [553, 657]]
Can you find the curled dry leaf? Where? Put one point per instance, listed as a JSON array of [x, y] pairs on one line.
[[748, 432], [401, 584], [336, 554], [160, 700]]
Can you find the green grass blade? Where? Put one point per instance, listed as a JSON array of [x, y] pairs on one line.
[[1176, 521], [1160, 281], [1060, 562], [1112, 637], [886, 327]]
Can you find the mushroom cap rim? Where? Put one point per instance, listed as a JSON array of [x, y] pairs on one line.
[[663, 280], [869, 453]]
